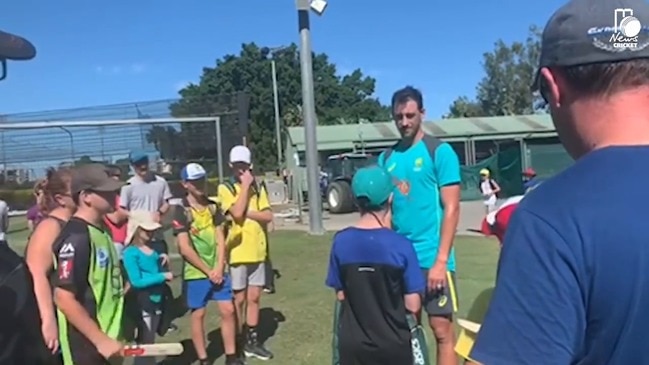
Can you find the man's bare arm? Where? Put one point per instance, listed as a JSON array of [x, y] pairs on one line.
[[264, 217], [164, 208], [119, 216], [77, 315], [450, 195], [413, 303]]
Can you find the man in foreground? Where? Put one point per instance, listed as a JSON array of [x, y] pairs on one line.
[[247, 205], [572, 279], [88, 287], [21, 341], [377, 279], [426, 209], [198, 226], [494, 224]]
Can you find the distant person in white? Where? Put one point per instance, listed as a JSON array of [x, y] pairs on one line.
[[4, 221], [489, 189]]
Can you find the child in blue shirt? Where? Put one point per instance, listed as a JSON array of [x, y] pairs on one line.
[[143, 267]]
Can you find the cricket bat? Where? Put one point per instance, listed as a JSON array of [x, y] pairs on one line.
[[158, 349], [468, 325]]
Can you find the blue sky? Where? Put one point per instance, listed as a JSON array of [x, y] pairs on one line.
[[98, 53], [94, 53]]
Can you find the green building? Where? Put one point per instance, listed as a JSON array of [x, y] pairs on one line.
[[505, 145]]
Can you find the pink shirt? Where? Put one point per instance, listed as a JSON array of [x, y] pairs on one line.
[[117, 232]]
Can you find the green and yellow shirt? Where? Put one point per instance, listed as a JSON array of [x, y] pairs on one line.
[[88, 266], [201, 225]]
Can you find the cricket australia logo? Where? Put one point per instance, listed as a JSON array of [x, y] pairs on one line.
[[626, 34]]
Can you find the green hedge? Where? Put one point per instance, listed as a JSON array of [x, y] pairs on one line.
[[23, 199], [18, 199]]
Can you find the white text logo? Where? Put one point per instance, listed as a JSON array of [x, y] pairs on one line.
[[627, 28]]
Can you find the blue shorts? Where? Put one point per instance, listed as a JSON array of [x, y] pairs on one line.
[[199, 292]]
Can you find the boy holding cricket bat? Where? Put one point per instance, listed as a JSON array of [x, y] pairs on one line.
[[88, 287]]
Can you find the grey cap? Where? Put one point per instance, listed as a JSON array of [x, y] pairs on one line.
[[594, 31], [93, 177]]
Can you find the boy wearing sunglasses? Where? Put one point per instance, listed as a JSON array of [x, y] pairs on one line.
[[88, 286]]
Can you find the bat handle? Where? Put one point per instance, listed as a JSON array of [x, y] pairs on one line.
[[129, 351]]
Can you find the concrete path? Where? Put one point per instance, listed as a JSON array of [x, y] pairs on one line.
[[471, 214]]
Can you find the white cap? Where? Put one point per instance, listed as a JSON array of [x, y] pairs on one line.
[[192, 171], [137, 219], [240, 154]]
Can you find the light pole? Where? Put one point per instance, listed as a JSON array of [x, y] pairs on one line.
[[71, 142], [309, 116], [278, 127]]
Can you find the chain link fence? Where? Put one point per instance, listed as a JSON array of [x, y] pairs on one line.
[[173, 132]]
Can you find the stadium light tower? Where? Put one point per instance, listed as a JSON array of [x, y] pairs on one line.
[[308, 111]]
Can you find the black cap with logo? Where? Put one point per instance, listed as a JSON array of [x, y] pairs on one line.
[[586, 32]]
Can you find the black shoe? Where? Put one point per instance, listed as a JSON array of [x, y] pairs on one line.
[[172, 328], [269, 290], [254, 349], [236, 361], [204, 362]]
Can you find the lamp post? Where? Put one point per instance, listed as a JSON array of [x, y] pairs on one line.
[[308, 107], [71, 137], [278, 127]]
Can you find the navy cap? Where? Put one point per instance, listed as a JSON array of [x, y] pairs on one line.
[[138, 156], [587, 32]]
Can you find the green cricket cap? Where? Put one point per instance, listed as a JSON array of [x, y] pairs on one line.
[[373, 183]]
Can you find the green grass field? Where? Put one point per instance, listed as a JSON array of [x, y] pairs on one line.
[[297, 319]]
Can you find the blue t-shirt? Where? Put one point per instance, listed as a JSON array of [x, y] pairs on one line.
[[143, 271], [375, 246], [417, 207], [573, 276], [375, 269]]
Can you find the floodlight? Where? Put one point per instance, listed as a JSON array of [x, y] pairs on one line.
[[319, 6]]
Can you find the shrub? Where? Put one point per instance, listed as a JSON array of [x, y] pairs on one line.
[[23, 199], [20, 199]]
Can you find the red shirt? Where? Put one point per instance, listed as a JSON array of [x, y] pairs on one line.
[[117, 232], [495, 224]]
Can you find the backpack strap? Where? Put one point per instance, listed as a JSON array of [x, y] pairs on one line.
[[385, 155], [213, 207], [431, 145], [230, 186], [188, 212]]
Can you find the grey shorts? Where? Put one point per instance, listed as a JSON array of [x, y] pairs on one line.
[[244, 275], [442, 303]]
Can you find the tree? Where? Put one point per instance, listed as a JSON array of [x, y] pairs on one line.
[[168, 141], [505, 88], [338, 99]]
